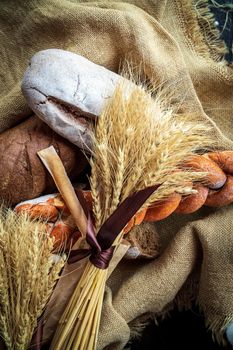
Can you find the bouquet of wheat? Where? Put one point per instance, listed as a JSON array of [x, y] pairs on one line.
[[139, 148], [27, 277]]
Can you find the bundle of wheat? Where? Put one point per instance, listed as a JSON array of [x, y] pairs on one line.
[[138, 145], [27, 276]]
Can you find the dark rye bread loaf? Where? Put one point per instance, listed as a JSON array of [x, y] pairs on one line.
[[22, 174]]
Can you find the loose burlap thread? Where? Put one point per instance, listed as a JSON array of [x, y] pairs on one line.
[[178, 45]]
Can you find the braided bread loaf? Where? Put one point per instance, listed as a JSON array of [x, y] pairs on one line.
[[217, 192]]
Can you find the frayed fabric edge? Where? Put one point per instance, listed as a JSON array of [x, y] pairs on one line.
[[211, 34], [202, 36], [138, 326], [217, 324]]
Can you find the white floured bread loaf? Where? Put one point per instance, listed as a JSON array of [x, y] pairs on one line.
[[67, 91]]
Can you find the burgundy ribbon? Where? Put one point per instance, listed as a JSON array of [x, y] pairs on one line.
[[101, 249]]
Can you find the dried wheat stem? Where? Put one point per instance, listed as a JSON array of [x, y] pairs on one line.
[[90, 311], [86, 299]]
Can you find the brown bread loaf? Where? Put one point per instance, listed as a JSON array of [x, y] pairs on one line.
[[22, 174]]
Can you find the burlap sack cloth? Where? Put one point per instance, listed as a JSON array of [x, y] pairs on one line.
[[177, 43]]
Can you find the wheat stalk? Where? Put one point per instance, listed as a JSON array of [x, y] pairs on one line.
[[27, 276], [138, 143]]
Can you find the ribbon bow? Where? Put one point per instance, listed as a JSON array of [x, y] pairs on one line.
[[101, 246]]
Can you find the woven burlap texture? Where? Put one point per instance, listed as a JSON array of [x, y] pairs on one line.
[[177, 43]]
